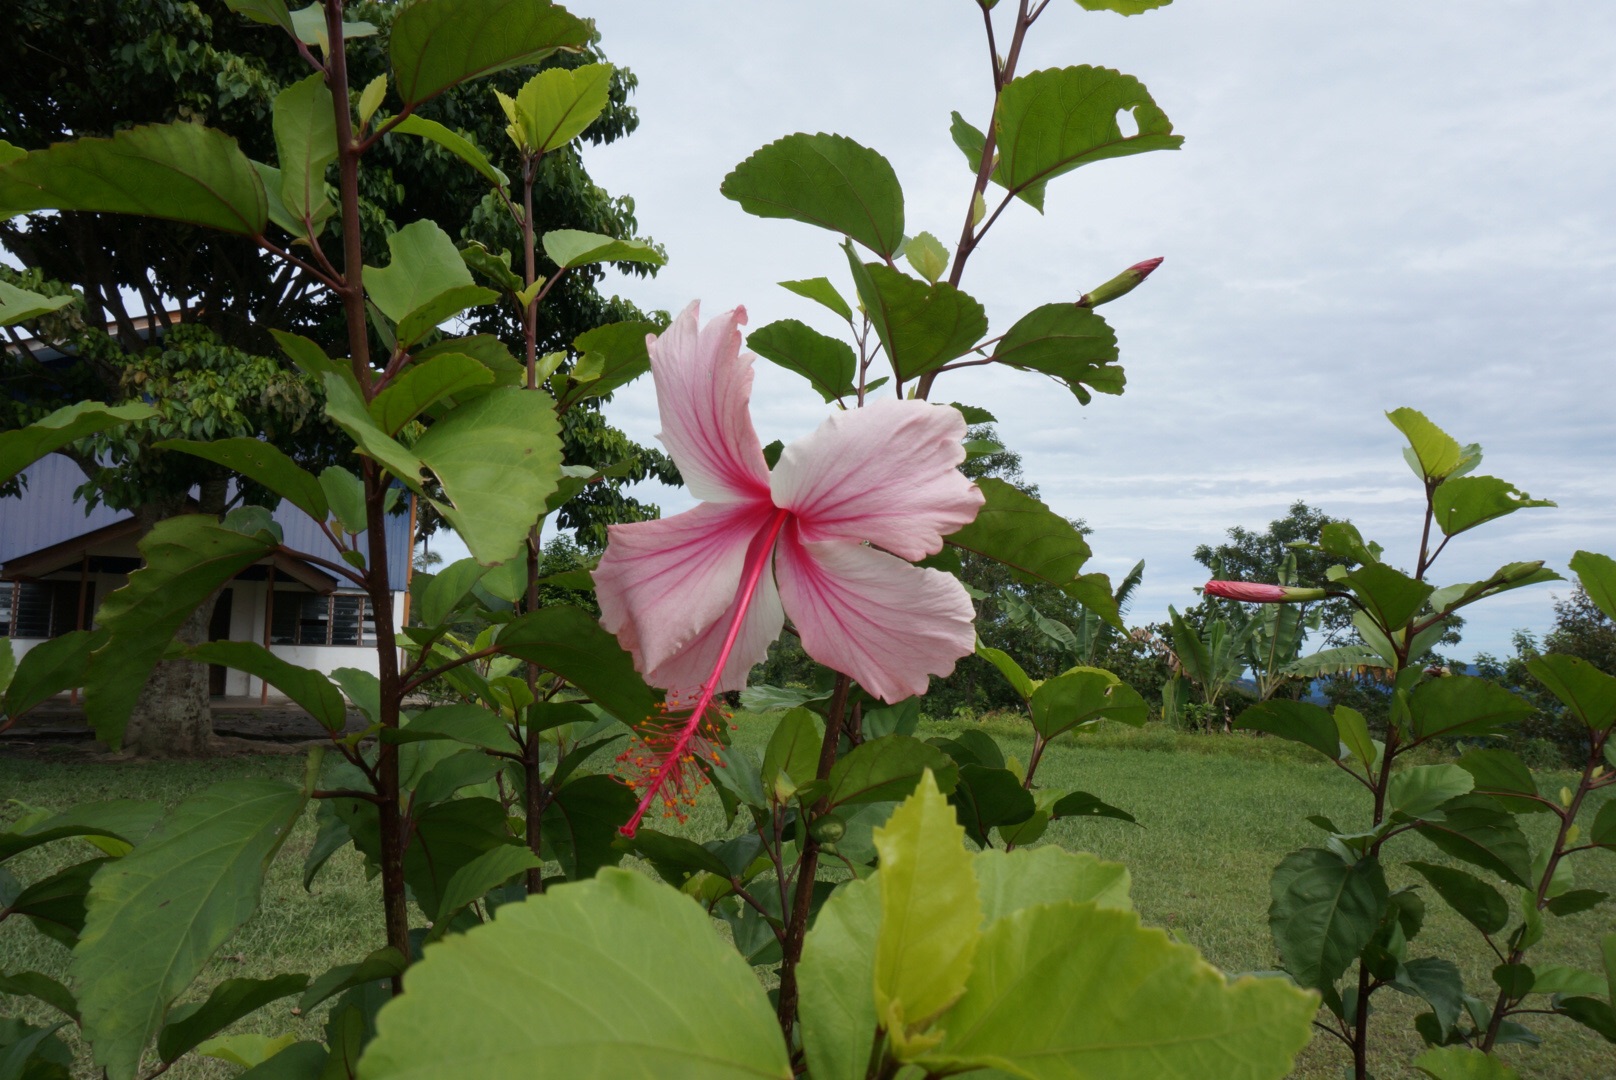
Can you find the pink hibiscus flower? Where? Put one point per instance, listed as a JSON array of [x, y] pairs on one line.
[[826, 539]]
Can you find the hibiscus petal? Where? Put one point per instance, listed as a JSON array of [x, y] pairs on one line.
[[663, 586], [684, 673], [873, 616], [704, 388], [887, 473]]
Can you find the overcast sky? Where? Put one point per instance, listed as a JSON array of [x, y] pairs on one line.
[[1377, 204]]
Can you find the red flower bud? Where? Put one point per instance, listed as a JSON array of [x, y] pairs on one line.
[[1253, 592]]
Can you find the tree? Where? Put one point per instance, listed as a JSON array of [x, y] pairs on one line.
[[187, 309]]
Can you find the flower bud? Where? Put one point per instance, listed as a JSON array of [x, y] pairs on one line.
[[1121, 285], [1253, 592]]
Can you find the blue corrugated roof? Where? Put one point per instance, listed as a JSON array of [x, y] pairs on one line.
[[47, 514]]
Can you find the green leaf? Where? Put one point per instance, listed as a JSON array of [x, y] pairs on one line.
[[1464, 705], [888, 768], [1559, 979], [309, 26], [20, 305], [122, 819], [1082, 804], [569, 247], [32, 1047], [157, 915], [824, 180], [569, 642], [371, 98], [1476, 830], [1298, 721], [425, 281], [1467, 501], [1084, 696], [424, 384], [1603, 832], [1018, 679], [472, 725], [187, 559], [986, 798], [263, 463], [1133, 1005], [533, 985], [232, 999], [582, 821], [555, 106], [921, 326], [615, 354], [1595, 1015], [438, 43], [1007, 882], [1353, 731], [55, 904], [927, 255], [1051, 122], [1068, 343], [1463, 1063], [1015, 529], [309, 688], [383, 963], [180, 171], [40, 988], [821, 291], [305, 145], [496, 268], [498, 458], [1418, 790], [1391, 597], [24, 446], [1576, 901], [1586, 691], [1500, 772], [269, 12], [1597, 574], [930, 913], [836, 982], [49, 668], [793, 749], [675, 857], [1432, 452], [1478, 902], [454, 142], [1324, 911], [824, 361], [1122, 7], [1342, 539], [489, 870]]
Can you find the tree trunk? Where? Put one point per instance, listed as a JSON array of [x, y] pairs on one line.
[[173, 717]]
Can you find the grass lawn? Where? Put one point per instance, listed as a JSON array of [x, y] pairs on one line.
[[1217, 813]]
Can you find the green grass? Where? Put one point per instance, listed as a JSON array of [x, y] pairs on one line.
[[1217, 812]]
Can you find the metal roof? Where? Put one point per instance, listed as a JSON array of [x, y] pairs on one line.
[[47, 514]]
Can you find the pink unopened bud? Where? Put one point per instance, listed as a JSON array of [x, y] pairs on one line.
[[1253, 592], [1121, 285]]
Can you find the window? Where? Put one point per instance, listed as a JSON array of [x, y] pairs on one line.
[[42, 609], [305, 619]]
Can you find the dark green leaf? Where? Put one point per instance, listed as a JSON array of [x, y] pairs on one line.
[[384, 963], [449, 835], [825, 362], [1575, 901], [1084, 696], [921, 326], [1479, 903], [232, 999], [158, 914], [469, 724], [462, 148], [1586, 691], [300, 1061], [40, 988], [569, 642], [1515, 980], [270, 12], [56, 904], [438, 43], [1464, 705], [570, 247], [1603, 832], [1438, 983], [121, 819], [187, 559], [1595, 1015], [1476, 830], [986, 798], [824, 180], [1499, 772], [1598, 576], [309, 688], [881, 770], [180, 171], [1069, 343], [1082, 804], [1053, 121], [1392, 597], [423, 385], [1298, 721], [615, 354], [675, 857], [264, 464], [1324, 911], [1015, 529], [793, 749], [582, 821], [489, 870], [49, 668], [24, 446]]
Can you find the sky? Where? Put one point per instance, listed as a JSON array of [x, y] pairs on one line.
[[1378, 204]]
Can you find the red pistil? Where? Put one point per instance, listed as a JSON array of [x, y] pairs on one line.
[[677, 749]]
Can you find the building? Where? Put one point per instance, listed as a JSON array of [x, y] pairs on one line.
[[57, 563]]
